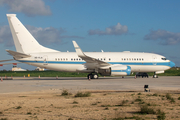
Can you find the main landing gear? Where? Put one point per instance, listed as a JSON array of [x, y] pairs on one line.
[[92, 76]]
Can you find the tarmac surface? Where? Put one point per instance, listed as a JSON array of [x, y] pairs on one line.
[[74, 84]]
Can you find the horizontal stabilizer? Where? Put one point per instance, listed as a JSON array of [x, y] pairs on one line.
[[18, 54]]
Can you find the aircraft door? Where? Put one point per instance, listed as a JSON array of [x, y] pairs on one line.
[[154, 60], [45, 58]]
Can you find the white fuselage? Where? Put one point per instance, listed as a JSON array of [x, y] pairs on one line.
[[70, 62]]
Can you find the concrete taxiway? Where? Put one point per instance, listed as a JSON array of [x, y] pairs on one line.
[[73, 84]]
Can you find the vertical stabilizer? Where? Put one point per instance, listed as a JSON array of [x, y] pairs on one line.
[[23, 40]]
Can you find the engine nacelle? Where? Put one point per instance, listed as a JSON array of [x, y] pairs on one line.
[[115, 70], [121, 70]]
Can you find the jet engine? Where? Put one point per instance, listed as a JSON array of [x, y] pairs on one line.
[[115, 70]]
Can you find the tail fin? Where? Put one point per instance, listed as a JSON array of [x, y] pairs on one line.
[[23, 40]]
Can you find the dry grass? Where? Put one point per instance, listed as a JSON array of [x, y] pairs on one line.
[[99, 106]]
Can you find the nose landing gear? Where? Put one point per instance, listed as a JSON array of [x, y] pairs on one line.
[[155, 76]]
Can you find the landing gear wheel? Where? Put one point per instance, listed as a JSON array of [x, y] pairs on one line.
[[95, 76], [92, 76], [155, 76]]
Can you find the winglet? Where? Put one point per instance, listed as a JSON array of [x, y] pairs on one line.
[[78, 49]]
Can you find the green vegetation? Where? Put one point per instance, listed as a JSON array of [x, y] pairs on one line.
[[155, 94], [160, 115], [19, 107], [123, 103], [118, 118], [50, 73], [29, 113], [138, 100], [65, 93], [70, 119], [106, 106], [3, 119], [47, 73], [171, 72], [22, 96], [134, 118], [81, 94], [168, 96], [178, 98], [146, 110], [75, 102]]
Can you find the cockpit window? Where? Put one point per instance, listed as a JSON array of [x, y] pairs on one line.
[[163, 58]]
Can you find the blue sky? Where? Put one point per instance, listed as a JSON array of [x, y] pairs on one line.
[[108, 25]]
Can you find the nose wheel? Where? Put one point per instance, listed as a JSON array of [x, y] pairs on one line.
[[92, 76], [155, 76]]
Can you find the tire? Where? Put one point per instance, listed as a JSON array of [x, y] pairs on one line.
[[155, 76], [95, 76]]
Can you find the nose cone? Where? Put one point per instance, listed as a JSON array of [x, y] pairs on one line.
[[171, 64]]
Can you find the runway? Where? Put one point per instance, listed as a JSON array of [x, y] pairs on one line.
[[74, 84]]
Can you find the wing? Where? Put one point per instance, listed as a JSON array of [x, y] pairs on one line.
[[6, 60], [9, 63], [88, 59]]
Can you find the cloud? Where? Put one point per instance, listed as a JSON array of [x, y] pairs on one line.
[[28, 7], [5, 36], [44, 36], [113, 30], [164, 37]]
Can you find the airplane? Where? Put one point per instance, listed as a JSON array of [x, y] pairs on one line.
[[29, 51]]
